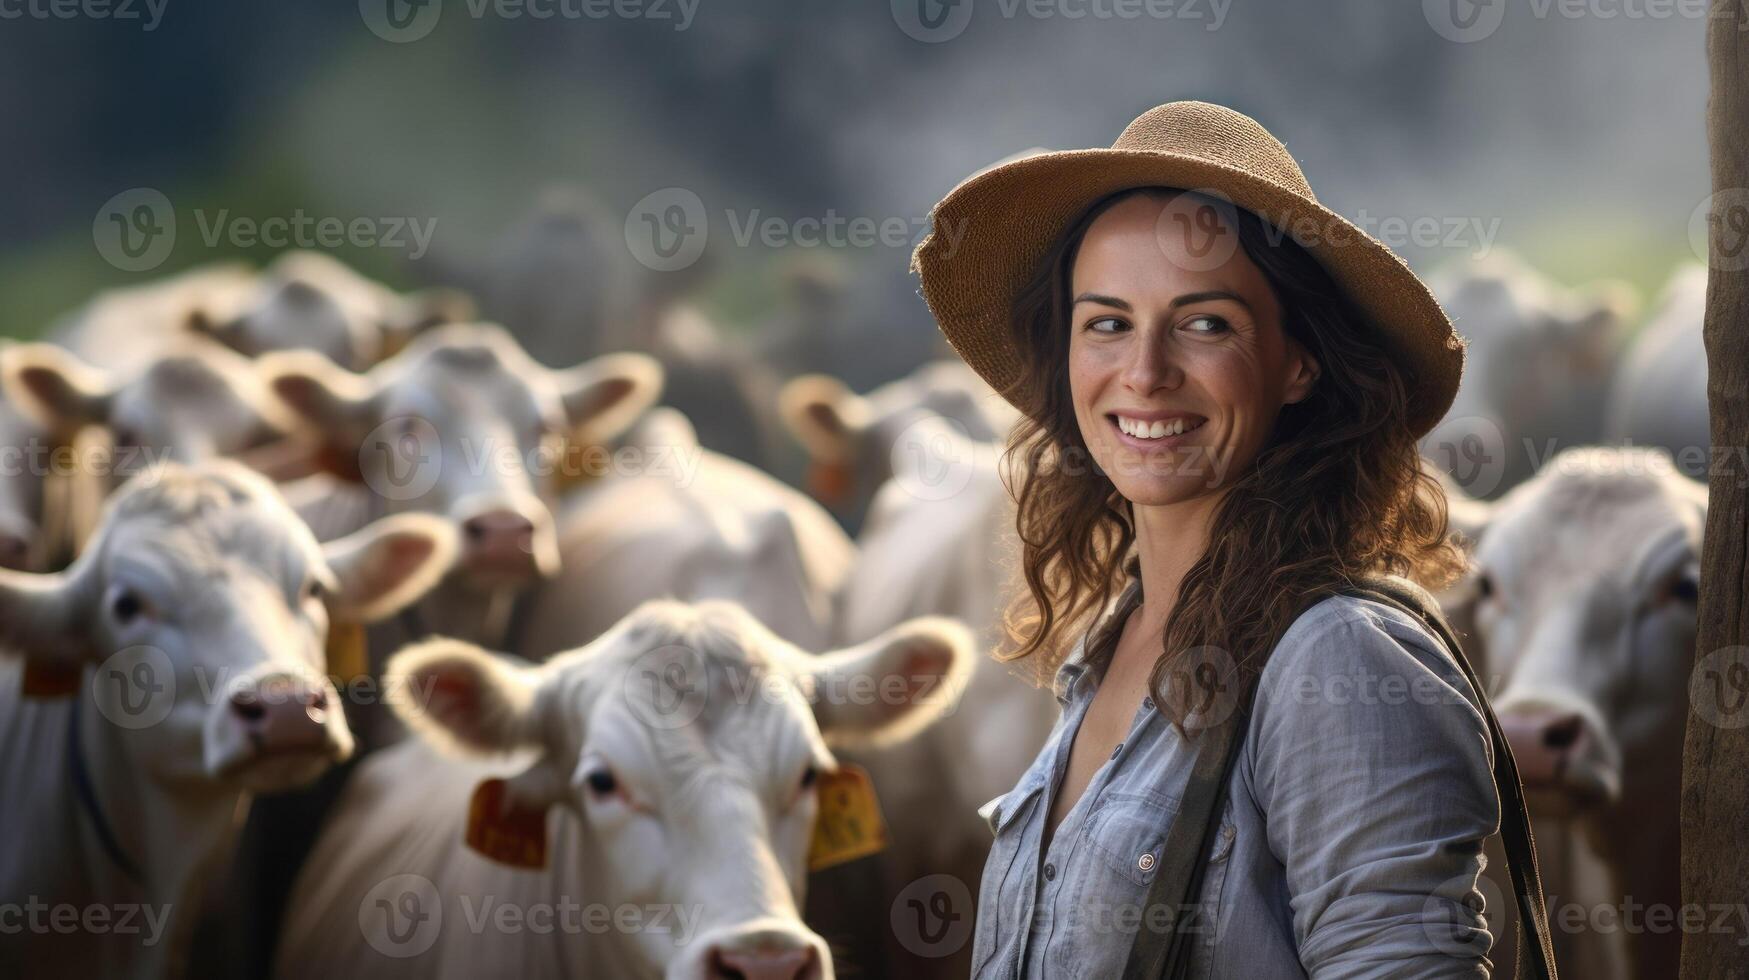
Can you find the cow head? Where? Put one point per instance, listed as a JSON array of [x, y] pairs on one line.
[[851, 439], [205, 604], [1540, 360], [462, 425], [310, 301], [689, 740], [195, 402], [1583, 593]]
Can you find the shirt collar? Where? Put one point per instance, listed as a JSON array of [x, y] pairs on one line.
[[1075, 666]]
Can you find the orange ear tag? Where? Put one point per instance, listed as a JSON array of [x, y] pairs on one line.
[[348, 657], [849, 825], [42, 681], [829, 483], [504, 831]]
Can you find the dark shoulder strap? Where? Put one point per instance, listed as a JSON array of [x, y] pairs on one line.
[[1161, 949], [1536, 951]]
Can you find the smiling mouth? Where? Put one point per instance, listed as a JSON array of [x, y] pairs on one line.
[[1155, 431]]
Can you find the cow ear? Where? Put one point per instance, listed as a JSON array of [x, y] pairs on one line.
[[464, 698], [605, 395], [891, 687], [824, 415], [64, 393], [44, 617], [387, 565], [333, 400]]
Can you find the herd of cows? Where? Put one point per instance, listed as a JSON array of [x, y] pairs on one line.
[[219, 479]]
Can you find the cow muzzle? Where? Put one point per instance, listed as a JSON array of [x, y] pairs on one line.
[[278, 731], [507, 546], [766, 950], [1563, 761]]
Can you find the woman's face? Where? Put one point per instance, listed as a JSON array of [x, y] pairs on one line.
[[1178, 364]]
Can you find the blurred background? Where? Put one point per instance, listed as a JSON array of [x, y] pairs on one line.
[[1575, 140]]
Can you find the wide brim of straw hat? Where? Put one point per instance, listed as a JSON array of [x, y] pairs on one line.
[[990, 233]]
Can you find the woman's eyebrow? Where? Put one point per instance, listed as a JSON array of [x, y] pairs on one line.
[[1102, 300], [1208, 295]]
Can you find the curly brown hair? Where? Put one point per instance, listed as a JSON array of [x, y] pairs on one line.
[[1337, 493]]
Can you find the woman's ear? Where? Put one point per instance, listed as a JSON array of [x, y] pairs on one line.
[[1302, 373]]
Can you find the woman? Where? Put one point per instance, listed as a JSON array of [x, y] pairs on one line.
[[1223, 385]]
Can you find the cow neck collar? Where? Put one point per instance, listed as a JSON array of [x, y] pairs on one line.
[[86, 794]]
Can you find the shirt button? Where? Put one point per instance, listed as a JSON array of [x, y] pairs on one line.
[[1145, 862], [1050, 872], [1115, 751], [1148, 703]]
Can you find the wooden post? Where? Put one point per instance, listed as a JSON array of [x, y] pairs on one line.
[[1715, 770]]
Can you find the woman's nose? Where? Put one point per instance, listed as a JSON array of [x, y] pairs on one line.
[[1151, 366]]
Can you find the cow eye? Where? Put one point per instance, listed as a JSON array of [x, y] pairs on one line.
[[810, 776], [1485, 586], [315, 591], [602, 782], [127, 606], [1685, 590]]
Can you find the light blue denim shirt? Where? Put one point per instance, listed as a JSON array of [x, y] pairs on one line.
[[1349, 847]]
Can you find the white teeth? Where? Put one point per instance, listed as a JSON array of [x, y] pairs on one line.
[[1154, 430]]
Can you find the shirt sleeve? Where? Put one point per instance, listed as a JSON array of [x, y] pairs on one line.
[[1375, 774]]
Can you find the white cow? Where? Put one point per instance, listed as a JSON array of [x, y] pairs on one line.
[[461, 424], [28, 509], [1538, 368], [679, 754], [197, 617], [1583, 594], [1658, 396], [670, 518], [193, 401], [312, 301], [851, 438], [301, 301], [940, 540]]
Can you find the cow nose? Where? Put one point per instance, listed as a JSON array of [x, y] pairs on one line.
[[499, 540], [283, 714], [1544, 743], [764, 964]]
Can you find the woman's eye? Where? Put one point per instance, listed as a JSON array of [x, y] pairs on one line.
[[1206, 324], [1106, 324]]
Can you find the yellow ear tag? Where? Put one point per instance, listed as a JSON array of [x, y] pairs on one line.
[[849, 825], [348, 657], [505, 831], [42, 680]]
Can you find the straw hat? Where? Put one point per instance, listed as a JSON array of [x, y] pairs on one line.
[[990, 233]]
